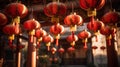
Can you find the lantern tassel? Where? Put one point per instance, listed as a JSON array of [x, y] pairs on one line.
[[57, 39], [85, 43], [48, 46], [38, 42], [92, 20], [109, 40], [31, 38]]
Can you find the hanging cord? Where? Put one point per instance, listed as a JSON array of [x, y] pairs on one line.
[[72, 8], [44, 2], [110, 5]]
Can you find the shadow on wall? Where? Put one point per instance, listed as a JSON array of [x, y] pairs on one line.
[[100, 60]]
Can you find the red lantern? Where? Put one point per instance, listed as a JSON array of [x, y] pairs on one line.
[[94, 47], [55, 9], [57, 29], [3, 19], [108, 32], [84, 35], [40, 33], [31, 24], [91, 6], [72, 39], [73, 20], [95, 25], [53, 50], [105, 30], [48, 40], [111, 18], [71, 49], [61, 50], [11, 29], [16, 9]]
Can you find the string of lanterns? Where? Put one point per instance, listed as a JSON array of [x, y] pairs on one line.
[[56, 10]]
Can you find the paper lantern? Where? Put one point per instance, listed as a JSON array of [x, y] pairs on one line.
[[39, 33], [16, 9], [31, 24], [106, 30], [95, 25], [71, 49], [55, 9], [11, 29], [111, 18], [72, 39], [3, 19], [72, 20], [84, 35], [91, 6], [61, 50], [53, 50], [109, 32], [56, 30], [48, 40]]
